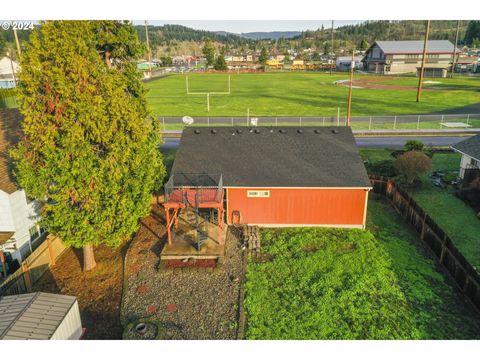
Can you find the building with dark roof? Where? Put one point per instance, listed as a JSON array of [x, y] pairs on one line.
[[396, 57], [470, 150], [19, 231], [273, 177]]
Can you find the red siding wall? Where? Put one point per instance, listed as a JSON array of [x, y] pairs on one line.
[[298, 206]]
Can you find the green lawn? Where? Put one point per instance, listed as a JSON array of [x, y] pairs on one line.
[[7, 99], [351, 284], [456, 218], [297, 94]]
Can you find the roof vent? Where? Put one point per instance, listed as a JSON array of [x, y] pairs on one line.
[[213, 131], [300, 131], [317, 131], [196, 131], [239, 131], [271, 130], [250, 129], [282, 131], [334, 131], [257, 131]]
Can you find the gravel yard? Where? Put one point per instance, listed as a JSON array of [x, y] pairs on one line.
[[188, 303]]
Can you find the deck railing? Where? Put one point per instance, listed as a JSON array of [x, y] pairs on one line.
[[187, 188]]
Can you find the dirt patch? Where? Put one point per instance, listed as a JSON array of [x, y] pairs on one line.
[[98, 291], [189, 302], [377, 83]]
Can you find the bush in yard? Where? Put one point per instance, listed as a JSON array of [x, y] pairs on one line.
[[414, 145], [382, 168], [90, 150], [412, 164]]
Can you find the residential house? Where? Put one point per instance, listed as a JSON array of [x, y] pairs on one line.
[[19, 230], [344, 63], [8, 73], [396, 57], [470, 162]]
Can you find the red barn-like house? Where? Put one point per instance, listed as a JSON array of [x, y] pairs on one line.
[[272, 177]]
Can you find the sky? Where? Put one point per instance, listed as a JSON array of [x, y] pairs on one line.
[[242, 26]]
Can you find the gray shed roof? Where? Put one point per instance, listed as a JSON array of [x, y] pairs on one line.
[[416, 47], [32, 316], [273, 157], [470, 146]]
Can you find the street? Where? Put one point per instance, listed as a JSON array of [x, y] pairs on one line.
[[366, 142]]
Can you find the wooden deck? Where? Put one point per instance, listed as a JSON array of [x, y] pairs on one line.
[[184, 246]]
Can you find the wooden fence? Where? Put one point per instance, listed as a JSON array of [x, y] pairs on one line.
[[33, 268], [462, 272]]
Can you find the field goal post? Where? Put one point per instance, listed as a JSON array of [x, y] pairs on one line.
[[208, 93]]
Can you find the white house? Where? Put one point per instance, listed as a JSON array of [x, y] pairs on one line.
[[19, 231], [470, 150], [8, 73], [344, 63]]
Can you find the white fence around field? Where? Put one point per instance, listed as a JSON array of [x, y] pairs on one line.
[[399, 122]]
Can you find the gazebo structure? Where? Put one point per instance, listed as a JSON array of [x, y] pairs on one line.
[[194, 215]]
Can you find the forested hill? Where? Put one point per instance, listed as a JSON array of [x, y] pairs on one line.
[[371, 31], [168, 33]]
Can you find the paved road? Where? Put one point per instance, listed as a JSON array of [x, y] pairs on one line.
[[368, 142], [398, 141]]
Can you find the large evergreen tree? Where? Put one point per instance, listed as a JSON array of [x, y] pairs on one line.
[[89, 151], [262, 59], [472, 33], [208, 51]]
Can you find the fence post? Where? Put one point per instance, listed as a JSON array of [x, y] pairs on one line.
[[323, 121], [468, 118], [395, 122], [50, 252], [163, 120], [441, 122], [276, 121], [300, 121], [232, 121], [418, 122], [370, 124], [26, 277]]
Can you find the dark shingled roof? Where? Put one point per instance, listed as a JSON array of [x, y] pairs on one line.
[[470, 146], [273, 157], [10, 131]]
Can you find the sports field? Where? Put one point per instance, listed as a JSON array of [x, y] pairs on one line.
[[308, 94]]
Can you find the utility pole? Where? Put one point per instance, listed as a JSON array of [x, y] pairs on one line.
[[19, 52], [454, 62], [352, 66], [331, 50], [148, 50], [420, 78], [9, 54]]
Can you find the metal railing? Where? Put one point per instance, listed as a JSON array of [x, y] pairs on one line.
[[189, 188], [390, 122]]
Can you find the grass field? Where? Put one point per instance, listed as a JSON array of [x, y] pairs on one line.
[[456, 218], [353, 284], [301, 94]]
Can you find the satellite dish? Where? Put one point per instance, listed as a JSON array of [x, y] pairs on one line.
[[187, 120]]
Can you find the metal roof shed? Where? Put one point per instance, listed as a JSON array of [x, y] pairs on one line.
[[39, 316]]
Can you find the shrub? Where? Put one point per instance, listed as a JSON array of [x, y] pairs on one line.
[[412, 164], [414, 145], [382, 168]]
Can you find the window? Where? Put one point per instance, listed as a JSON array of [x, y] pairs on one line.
[[258, 193], [35, 232]]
